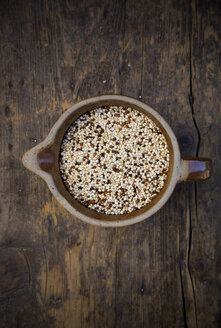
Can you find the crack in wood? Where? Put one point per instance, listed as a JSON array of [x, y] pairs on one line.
[[191, 101], [188, 260], [188, 293], [46, 267], [183, 299], [196, 202], [28, 265], [191, 96]]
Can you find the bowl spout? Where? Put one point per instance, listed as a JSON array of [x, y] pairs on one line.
[[39, 159]]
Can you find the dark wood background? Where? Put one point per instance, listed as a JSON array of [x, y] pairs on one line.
[[56, 271]]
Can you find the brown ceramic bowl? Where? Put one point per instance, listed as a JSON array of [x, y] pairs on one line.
[[43, 160]]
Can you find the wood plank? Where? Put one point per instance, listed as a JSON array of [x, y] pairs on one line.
[[166, 61], [205, 251]]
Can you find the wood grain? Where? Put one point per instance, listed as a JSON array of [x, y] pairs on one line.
[[55, 270]]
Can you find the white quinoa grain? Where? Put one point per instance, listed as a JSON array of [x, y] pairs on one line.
[[114, 160]]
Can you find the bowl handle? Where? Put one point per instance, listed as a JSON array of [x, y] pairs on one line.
[[195, 169]]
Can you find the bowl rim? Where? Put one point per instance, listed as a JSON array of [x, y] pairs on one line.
[[30, 161]]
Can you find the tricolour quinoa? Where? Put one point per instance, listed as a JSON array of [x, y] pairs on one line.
[[114, 160]]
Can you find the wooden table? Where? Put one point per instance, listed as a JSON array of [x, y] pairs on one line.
[[56, 271]]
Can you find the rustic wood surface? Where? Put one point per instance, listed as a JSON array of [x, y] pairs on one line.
[[56, 271]]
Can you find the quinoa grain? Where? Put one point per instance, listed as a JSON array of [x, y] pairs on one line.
[[114, 160]]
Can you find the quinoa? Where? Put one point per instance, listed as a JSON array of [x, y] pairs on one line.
[[114, 160]]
